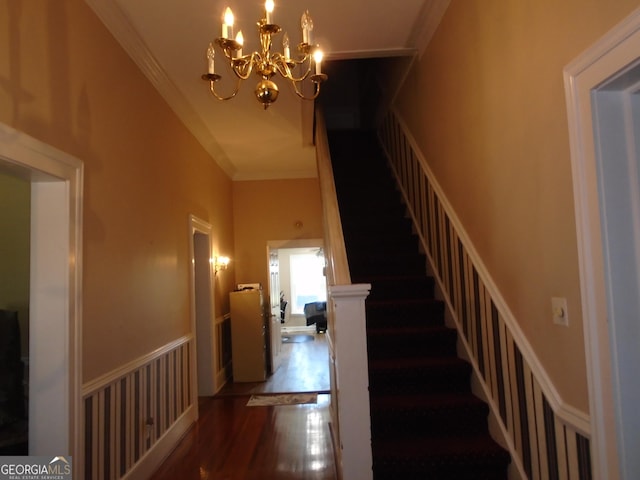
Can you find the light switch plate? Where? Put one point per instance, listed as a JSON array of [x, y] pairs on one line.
[[559, 311]]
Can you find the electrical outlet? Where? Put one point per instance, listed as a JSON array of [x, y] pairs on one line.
[[559, 311]]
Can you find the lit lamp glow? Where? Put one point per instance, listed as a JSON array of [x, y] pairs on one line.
[[221, 263], [227, 23], [269, 5], [317, 57], [240, 42]]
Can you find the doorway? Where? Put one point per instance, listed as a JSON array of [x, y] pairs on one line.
[[603, 99], [54, 386], [301, 281], [304, 352]]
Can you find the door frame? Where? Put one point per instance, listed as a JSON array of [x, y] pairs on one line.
[[198, 226], [55, 297], [616, 52]]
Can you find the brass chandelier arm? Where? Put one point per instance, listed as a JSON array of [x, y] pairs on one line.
[[284, 67], [301, 95], [243, 66], [212, 86]]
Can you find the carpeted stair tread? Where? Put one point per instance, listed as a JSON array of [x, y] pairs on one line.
[[406, 302], [390, 332], [441, 455], [424, 363], [409, 312], [433, 401], [390, 280], [411, 341], [401, 287], [421, 415]]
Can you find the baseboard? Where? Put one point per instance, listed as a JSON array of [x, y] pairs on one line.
[[152, 460], [309, 329]]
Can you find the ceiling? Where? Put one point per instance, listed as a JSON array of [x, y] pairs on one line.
[[168, 39]]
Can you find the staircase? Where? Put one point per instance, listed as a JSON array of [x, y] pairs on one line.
[[425, 422]]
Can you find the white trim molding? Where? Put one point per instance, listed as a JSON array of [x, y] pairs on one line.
[[617, 50], [55, 311]]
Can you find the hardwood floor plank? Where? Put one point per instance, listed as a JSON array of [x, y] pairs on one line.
[[231, 441], [234, 442]]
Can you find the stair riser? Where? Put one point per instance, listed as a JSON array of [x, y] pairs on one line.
[[413, 423], [373, 236], [385, 252], [405, 315], [412, 345], [398, 289], [418, 382], [360, 207], [403, 266], [472, 472]]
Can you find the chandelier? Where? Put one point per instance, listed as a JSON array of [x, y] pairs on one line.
[[304, 68]]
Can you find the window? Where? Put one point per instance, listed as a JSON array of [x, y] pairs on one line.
[[307, 281]]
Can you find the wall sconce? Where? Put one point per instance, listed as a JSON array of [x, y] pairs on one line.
[[221, 263]]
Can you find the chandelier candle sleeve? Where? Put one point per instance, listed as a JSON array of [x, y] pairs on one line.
[[307, 25], [211, 53]]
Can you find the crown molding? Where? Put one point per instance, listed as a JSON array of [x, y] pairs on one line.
[[125, 34]]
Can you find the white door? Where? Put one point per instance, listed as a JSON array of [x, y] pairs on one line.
[[617, 132]]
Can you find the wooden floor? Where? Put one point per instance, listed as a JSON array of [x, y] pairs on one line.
[[231, 441], [304, 368]]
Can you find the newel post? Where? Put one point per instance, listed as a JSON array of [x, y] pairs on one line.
[[352, 379]]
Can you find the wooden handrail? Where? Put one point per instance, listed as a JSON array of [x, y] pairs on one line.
[[335, 252]]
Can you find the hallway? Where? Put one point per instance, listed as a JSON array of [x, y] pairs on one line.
[[232, 441]]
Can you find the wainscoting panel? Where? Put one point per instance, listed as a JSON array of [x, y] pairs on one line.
[[128, 411], [544, 442]]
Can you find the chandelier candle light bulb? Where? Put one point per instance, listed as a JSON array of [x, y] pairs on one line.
[[268, 7], [285, 46], [227, 23], [317, 57], [240, 41]]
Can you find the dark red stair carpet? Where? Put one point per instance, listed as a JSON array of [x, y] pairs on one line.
[[425, 422]]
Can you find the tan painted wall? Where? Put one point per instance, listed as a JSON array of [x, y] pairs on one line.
[[67, 82], [270, 210], [14, 250], [486, 103]]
